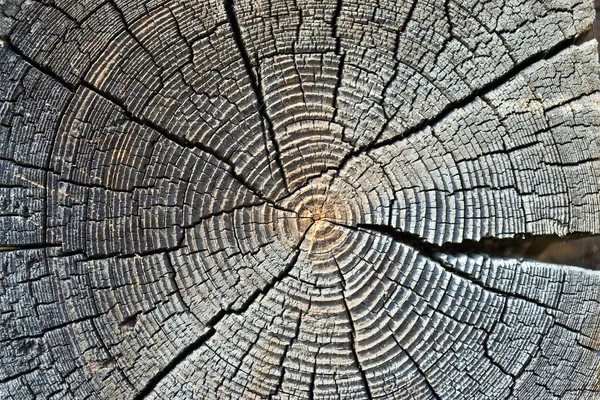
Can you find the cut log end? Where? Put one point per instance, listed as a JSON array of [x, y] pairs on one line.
[[299, 200]]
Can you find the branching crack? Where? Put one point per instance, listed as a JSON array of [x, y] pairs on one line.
[[141, 120], [453, 106], [435, 253], [215, 320], [353, 333], [255, 82]]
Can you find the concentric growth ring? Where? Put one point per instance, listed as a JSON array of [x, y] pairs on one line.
[[287, 199]]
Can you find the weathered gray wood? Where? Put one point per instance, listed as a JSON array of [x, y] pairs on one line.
[[291, 199]]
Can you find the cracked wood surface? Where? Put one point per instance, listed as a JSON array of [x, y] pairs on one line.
[[298, 199]]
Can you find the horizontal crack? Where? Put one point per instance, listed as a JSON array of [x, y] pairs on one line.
[[27, 246], [433, 253], [527, 247]]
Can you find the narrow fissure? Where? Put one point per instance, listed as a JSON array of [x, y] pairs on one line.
[[494, 84], [435, 253], [362, 373], [139, 120], [256, 85], [417, 366], [214, 321]]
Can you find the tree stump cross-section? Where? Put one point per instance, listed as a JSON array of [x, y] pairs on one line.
[[298, 199]]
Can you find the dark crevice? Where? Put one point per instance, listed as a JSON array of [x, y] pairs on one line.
[[451, 107], [352, 332], [141, 120], [409, 16], [127, 28], [27, 246], [334, 27], [110, 360], [25, 164], [48, 165], [336, 89], [6, 42], [20, 374], [283, 357], [120, 254], [437, 253], [219, 213], [543, 248], [129, 322], [391, 80], [46, 330], [490, 356], [172, 276], [215, 320], [313, 377], [417, 366], [255, 82], [183, 142]]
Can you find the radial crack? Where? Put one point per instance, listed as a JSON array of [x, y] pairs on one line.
[[475, 94], [434, 252], [526, 247], [352, 332], [255, 82], [417, 366], [141, 120], [215, 320]]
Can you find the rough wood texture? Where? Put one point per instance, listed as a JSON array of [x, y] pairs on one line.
[[278, 199]]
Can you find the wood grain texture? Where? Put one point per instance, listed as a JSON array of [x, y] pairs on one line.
[[275, 199]]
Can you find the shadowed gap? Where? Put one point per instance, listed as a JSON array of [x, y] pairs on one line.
[[577, 249]]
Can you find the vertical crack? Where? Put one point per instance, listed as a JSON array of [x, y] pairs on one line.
[[352, 332], [338, 50], [255, 82], [334, 27], [285, 352], [313, 376]]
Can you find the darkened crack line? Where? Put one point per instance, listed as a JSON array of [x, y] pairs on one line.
[[409, 16], [338, 50], [44, 331], [127, 28], [48, 163], [488, 355], [313, 377], [435, 253], [485, 89], [285, 352], [6, 42], [486, 346], [255, 83], [6, 247], [417, 366], [19, 375], [230, 210], [141, 120], [111, 358], [352, 332], [215, 320], [392, 79], [334, 27]]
